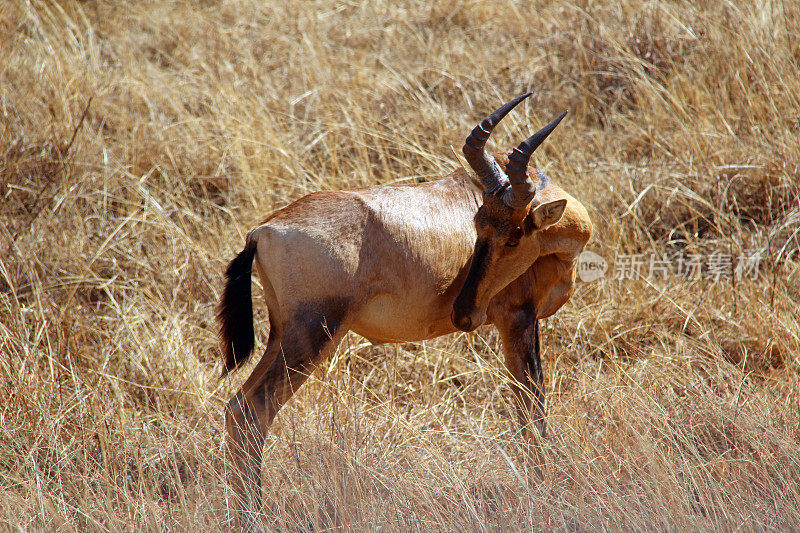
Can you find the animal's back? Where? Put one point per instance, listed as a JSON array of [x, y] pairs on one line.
[[393, 252]]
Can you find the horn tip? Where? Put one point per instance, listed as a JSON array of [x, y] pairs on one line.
[[556, 121]]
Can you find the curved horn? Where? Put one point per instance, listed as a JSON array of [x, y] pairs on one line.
[[484, 165], [522, 188]]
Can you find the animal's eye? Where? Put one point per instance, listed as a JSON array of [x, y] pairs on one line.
[[514, 237]]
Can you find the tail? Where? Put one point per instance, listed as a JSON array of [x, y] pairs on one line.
[[235, 311]]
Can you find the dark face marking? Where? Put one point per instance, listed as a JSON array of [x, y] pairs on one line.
[[498, 234], [493, 215], [477, 271]]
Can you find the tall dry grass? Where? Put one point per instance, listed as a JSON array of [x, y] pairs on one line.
[[138, 143]]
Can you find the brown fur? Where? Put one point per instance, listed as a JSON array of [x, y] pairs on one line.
[[393, 263]]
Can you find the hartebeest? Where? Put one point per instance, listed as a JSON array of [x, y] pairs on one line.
[[402, 263]]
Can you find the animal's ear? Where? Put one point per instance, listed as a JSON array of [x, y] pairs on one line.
[[544, 215]]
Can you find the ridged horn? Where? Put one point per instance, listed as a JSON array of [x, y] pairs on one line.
[[522, 188], [491, 175]]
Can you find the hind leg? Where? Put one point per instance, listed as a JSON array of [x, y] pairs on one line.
[[307, 340]]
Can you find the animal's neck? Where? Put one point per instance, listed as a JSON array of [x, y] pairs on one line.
[[472, 192]]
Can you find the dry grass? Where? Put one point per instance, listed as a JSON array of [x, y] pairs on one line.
[[674, 404]]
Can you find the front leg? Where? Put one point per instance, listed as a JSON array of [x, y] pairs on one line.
[[519, 332]]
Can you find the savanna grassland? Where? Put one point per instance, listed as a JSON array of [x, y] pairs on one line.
[[139, 142]]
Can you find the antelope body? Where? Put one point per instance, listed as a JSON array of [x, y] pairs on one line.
[[402, 263]]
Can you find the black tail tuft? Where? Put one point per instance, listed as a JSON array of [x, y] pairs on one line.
[[235, 311]]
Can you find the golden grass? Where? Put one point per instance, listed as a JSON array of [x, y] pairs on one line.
[[673, 404]]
